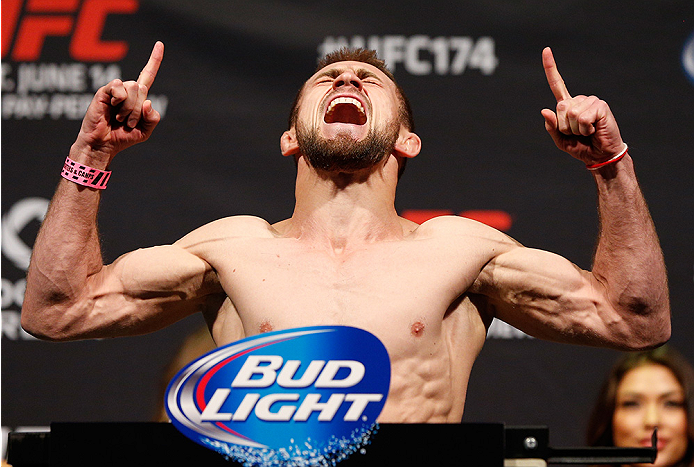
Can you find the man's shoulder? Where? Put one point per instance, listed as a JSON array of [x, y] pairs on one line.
[[230, 227], [457, 227], [243, 225], [457, 236]]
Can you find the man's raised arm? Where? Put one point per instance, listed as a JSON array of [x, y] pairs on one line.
[[623, 302], [70, 293]]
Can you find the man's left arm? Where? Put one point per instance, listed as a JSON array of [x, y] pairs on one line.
[[623, 302]]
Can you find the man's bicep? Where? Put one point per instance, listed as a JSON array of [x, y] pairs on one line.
[[148, 289], [162, 269], [546, 296]]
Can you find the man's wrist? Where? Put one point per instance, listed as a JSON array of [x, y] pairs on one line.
[[617, 157], [83, 153], [84, 175]]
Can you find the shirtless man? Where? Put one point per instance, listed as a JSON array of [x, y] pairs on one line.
[[345, 257]]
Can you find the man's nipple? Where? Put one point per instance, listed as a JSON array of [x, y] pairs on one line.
[[265, 326], [417, 329]]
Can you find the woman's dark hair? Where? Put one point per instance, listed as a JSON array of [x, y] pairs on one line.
[[599, 432]]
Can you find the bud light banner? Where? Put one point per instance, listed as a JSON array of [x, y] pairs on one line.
[[302, 396]]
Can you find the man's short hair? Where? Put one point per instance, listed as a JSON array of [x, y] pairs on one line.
[[346, 54]]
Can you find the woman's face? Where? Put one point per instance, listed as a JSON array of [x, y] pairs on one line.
[[650, 396]]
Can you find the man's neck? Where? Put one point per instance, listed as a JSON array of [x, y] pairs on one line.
[[343, 211]]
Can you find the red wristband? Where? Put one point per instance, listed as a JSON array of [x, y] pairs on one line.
[[609, 161], [85, 175]]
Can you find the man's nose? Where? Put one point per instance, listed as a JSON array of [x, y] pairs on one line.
[[347, 78]]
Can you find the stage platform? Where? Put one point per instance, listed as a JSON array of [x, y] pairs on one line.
[[467, 444]]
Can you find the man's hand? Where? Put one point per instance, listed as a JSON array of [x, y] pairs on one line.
[[120, 115], [582, 126]]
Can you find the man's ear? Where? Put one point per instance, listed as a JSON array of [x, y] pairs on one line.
[[408, 144], [288, 143]]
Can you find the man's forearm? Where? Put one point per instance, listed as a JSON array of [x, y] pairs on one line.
[[66, 252], [628, 259]]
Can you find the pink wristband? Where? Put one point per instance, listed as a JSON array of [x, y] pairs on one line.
[[609, 161], [85, 175]]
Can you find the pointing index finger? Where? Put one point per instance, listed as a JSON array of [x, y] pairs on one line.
[[554, 79], [149, 72]]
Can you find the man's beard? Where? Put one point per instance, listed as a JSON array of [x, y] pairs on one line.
[[344, 153]]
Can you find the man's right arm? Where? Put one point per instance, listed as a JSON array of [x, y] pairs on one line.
[[70, 293]]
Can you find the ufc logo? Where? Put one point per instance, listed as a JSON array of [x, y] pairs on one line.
[[29, 22]]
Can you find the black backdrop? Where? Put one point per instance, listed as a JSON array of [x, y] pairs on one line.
[[473, 73]]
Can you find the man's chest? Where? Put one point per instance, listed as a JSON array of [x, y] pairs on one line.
[[279, 284]]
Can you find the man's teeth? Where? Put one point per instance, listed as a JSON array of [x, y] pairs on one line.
[[346, 100]]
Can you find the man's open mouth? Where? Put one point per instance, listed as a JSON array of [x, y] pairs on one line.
[[345, 110]]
